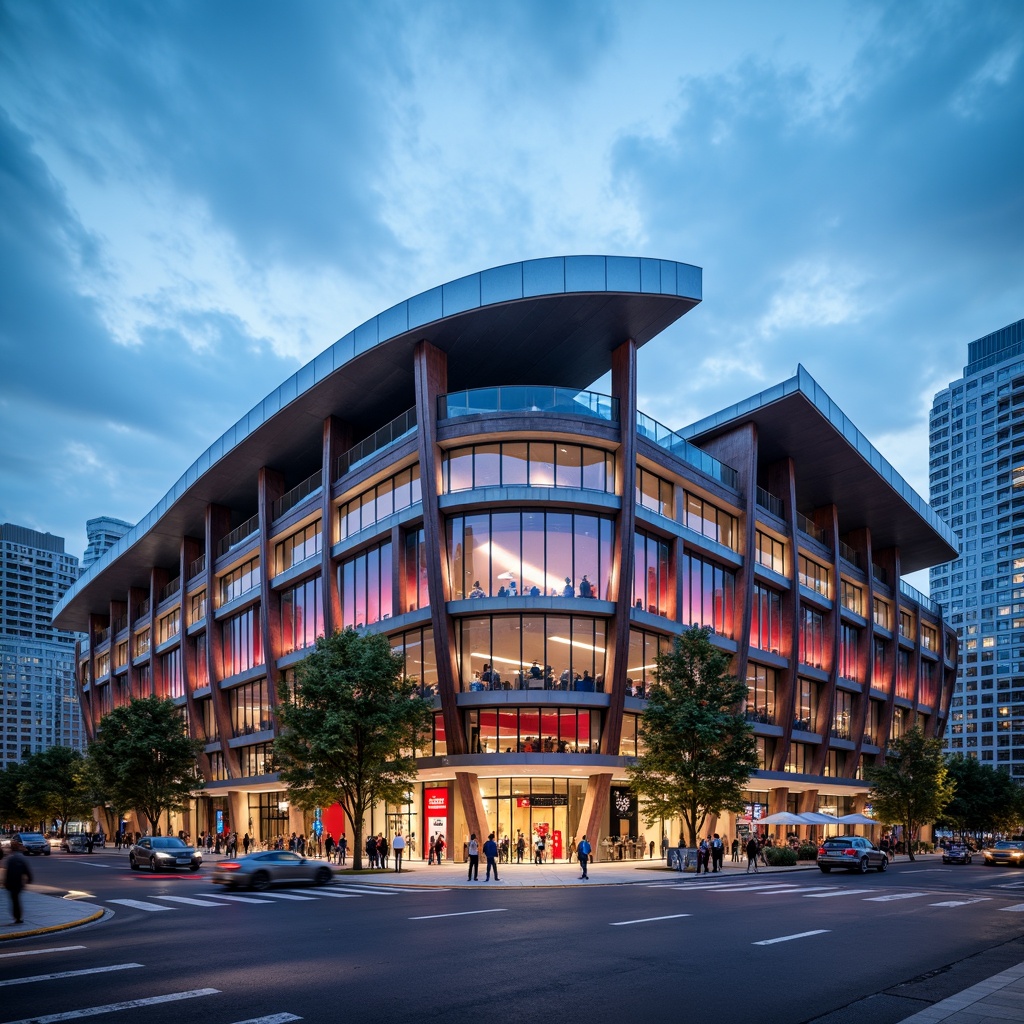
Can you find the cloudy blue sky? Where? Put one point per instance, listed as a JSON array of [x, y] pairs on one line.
[[198, 197]]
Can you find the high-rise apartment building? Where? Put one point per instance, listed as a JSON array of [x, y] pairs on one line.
[[977, 486], [103, 533], [38, 704]]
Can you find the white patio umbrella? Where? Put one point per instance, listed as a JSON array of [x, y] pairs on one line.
[[817, 818], [782, 818], [857, 819]]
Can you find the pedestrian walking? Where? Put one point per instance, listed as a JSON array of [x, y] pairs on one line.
[[430, 849], [371, 851], [245, 843], [491, 853], [329, 847], [717, 853], [752, 855], [473, 853], [439, 846], [398, 845], [18, 876], [343, 849], [583, 850], [736, 850]]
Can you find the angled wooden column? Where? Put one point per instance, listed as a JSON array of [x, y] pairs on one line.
[[828, 519], [191, 549], [218, 525], [860, 541], [888, 560], [617, 656], [270, 487], [158, 579], [137, 596], [337, 438], [594, 815]]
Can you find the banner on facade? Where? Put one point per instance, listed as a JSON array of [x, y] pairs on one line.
[[436, 809]]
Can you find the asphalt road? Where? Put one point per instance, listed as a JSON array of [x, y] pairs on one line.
[[794, 948]]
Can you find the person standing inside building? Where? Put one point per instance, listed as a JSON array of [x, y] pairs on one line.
[[473, 853], [18, 876], [583, 853], [491, 853], [520, 847], [439, 845], [398, 845]]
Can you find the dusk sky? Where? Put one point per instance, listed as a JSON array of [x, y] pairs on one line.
[[198, 197]]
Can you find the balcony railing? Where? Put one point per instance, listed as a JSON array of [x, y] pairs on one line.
[[288, 501], [852, 556], [102, 635], [121, 622], [528, 398], [811, 529], [143, 609], [915, 595], [768, 501], [197, 567], [880, 574], [684, 450], [237, 535], [398, 428], [172, 588]]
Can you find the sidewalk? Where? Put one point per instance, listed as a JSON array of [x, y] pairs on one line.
[[45, 913]]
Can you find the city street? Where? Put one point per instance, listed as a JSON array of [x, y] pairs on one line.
[[788, 947]]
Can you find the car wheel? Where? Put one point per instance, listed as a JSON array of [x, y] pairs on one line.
[[884, 864], [825, 868], [260, 881], [862, 867], [134, 863], [193, 867], [47, 852], [322, 877], [152, 865]]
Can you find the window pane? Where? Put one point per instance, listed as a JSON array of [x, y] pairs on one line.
[[514, 464], [593, 469], [569, 466], [487, 466], [542, 464]]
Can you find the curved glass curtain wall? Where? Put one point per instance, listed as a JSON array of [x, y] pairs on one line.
[[528, 464], [528, 398], [531, 652], [530, 554]]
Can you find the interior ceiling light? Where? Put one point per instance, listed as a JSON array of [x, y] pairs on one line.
[[575, 643]]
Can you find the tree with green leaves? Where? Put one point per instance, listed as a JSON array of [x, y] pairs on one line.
[[12, 811], [143, 758], [347, 728], [912, 787], [52, 786], [984, 798], [700, 751]]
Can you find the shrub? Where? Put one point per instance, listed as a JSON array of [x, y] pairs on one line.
[[807, 851], [781, 856]]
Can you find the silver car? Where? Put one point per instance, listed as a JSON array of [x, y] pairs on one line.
[[163, 853], [855, 853], [270, 867], [33, 842]]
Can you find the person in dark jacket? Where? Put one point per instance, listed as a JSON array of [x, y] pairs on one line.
[[18, 876], [491, 853]]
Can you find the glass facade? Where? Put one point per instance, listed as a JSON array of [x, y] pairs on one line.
[[528, 464]]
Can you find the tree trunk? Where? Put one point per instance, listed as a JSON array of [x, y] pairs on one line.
[[910, 840]]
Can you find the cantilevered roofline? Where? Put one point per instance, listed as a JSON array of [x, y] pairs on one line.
[[553, 321], [830, 468]]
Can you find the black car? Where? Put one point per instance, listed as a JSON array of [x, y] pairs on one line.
[[163, 853]]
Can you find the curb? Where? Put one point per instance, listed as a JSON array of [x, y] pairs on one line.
[[45, 929]]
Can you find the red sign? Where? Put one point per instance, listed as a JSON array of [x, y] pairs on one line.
[[556, 844], [522, 801], [436, 802]]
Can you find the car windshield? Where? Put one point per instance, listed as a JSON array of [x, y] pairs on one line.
[[168, 843], [31, 837], [1005, 845]]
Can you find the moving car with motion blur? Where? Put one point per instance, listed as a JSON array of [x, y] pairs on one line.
[[855, 853], [270, 867], [33, 842], [163, 853], [956, 854], [1008, 852]]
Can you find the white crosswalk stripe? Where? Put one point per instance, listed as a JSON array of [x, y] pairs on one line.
[[140, 905], [895, 896], [232, 898], [189, 901], [839, 892], [331, 893], [960, 903], [1017, 908]]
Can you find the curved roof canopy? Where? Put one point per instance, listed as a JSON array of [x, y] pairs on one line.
[[548, 321]]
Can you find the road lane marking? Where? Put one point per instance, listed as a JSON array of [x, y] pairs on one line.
[[140, 905], [335, 895], [895, 896], [233, 898], [644, 920], [793, 889], [789, 938], [1016, 909], [286, 896], [68, 974], [745, 887], [840, 892], [274, 1018], [36, 952], [960, 903], [129, 1004], [464, 913], [362, 890], [189, 901]]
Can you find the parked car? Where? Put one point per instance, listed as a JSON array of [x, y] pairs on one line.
[[956, 854], [34, 842], [1007, 851], [163, 853], [271, 867], [855, 853]]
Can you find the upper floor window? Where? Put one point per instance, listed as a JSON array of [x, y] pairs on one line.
[[302, 615], [375, 503], [170, 668], [813, 576], [766, 621], [366, 586], [121, 654], [654, 493], [197, 607], [650, 574], [528, 464], [709, 595], [709, 521], [168, 625], [769, 552], [851, 596], [849, 661], [883, 614], [929, 637], [243, 642], [812, 637], [761, 687], [298, 547], [142, 643], [906, 624], [240, 580]]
